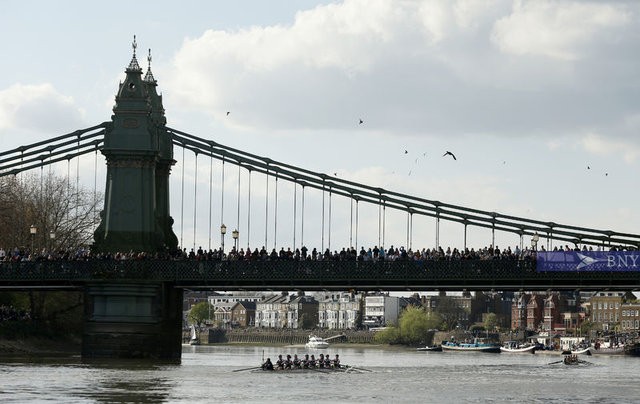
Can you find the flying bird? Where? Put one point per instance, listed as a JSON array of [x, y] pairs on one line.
[[361, 122], [228, 112], [336, 174], [588, 168], [405, 152], [606, 174], [450, 154]]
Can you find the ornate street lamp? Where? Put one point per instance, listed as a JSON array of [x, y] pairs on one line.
[[223, 231], [534, 241], [235, 235], [33, 230]]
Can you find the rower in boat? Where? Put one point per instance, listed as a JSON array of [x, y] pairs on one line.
[[321, 361], [336, 362], [267, 365], [297, 363], [288, 362], [327, 361], [312, 361], [305, 363], [280, 363]]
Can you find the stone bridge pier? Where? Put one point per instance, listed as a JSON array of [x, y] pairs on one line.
[[132, 320]]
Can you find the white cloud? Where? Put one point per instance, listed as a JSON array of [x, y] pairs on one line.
[[37, 108], [555, 29], [416, 68], [603, 146]]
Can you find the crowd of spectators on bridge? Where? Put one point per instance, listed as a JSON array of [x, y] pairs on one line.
[[374, 254], [10, 313]]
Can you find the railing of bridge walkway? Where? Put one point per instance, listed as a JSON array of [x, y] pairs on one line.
[[265, 273]]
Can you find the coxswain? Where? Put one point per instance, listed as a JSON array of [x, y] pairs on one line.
[[267, 365], [280, 363], [312, 362], [287, 363], [336, 362], [321, 361], [297, 363], [305, 363]]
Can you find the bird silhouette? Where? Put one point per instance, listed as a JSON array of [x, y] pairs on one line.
[[405, 152], [336, 174], [361, 122], [606, 174], [588, 168], [228, 112], [450, 154]]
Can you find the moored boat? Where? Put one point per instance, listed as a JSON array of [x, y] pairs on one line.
[[476, 346], [316, 342], [195, 340], [614, 350], [430, 348], [516, 347]]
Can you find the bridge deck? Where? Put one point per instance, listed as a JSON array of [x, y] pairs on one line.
[[313, 275]]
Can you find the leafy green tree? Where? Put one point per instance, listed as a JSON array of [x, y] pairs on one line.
[[390, 335], [413, 328], [199, 313], [490, 321]]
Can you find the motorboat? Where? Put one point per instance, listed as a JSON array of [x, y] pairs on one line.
[[430, 348], [611, 350], [316, 342], [476, 346], [517, 347]]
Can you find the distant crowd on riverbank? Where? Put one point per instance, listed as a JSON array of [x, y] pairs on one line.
[[298, 254]]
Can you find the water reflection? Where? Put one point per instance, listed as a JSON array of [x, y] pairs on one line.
[[125, 381]]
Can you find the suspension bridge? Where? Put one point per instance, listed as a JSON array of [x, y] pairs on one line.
[[142, 298]]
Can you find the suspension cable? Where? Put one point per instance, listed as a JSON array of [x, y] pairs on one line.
[[182, 203], [384, 224], [302, 220], [351, 224], [275, 216], [357, 219], [195, 201], [295, 213], [222, 203], [238, 218], [322, 227], [249, 212], [210, 196], [266, 210], [329, 235]]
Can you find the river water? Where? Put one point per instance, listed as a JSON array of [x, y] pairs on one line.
[[205, 375]]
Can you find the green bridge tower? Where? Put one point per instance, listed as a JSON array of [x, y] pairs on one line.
[[135, 319]]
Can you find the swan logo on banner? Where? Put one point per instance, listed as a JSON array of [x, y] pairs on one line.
[[588, 261]]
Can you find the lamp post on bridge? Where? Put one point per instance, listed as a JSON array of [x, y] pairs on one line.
[[223, 231], [33, 230], [534, 241], [235, 234], [52, 239]]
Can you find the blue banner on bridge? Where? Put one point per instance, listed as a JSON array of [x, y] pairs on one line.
[[588, 261]]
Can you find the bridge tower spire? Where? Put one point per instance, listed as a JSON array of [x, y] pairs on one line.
[[139, 155]]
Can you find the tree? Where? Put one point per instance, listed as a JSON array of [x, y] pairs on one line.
[[64, 216], [414, 327], [490, 321], [450, 312], [199, 313]]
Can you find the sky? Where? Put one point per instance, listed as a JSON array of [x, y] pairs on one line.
[[539, 101]]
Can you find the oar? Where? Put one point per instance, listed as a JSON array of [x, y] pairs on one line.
[[358, 369], [251, 368], [553, 363]]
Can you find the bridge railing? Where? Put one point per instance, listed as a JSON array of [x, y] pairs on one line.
[[287, 275]]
